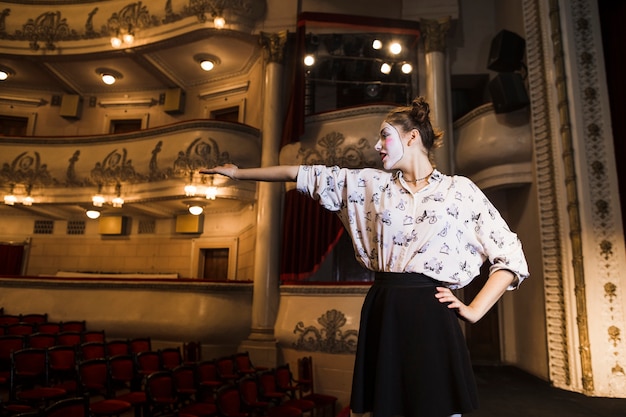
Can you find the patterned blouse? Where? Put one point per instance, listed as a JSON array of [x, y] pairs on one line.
[[446, 230]]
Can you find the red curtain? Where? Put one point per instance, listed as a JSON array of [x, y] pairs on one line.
[[11, 259], [309, 234]]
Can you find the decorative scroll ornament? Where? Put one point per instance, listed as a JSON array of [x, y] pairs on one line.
[[130, 17], [115, 168], [329, 339], [48, 28], [331, 150], [26, 168], [200, 154], [274, 43]]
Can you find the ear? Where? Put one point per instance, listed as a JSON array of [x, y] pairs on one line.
[[415, 136]]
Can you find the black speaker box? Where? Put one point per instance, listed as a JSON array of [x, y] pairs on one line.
[[508, 92], [506, 52]]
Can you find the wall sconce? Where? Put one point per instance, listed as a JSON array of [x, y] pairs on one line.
[[108, 76], [28, 200], [211, 192], [10, 199], [219, 22], [118, 201], [190, 190], [5, 72], [207, 61], [98, 199]]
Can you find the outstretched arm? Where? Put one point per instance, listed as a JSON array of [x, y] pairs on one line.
[[272, 173], [494, 288]]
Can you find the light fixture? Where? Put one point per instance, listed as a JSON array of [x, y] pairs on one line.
[[116, 42], [385, 68], [211, 192], [118, 201], [406, 68], [10, 199], [98, 199], [309, 60], [5, 72], [28, 201], [93, 213], [190, 190], [128, 38], [395, 48], [196, 209], [108, 75], [219, 22], [377, 44], [207, 61]]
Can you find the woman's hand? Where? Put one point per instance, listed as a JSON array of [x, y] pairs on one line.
[[464, 312], [228, 170]]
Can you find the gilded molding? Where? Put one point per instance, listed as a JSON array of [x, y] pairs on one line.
[[332, 150], [603, 218], [435, 32], [330, 338], [274, 44], [549, 220], [573, 207]]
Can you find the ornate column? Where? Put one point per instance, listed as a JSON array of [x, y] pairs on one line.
[[262, 343], [438, 88]]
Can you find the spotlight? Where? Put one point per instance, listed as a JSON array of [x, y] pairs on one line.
[[407, 68], [395, 48], [385, 68], [309, 60], [377, 44]]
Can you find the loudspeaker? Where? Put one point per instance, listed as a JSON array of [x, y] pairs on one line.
[[508, 92], [71, 105], [188, 223], [174, 101], [113, 225], [506, 52]]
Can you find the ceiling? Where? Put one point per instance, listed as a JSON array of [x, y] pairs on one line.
[[160, 58]]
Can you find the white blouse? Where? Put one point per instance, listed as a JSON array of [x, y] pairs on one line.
[[446, 230]]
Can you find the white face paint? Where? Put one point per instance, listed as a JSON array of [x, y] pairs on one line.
[[389, 145]]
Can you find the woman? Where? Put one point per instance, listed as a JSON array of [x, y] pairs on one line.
[[424, 234]]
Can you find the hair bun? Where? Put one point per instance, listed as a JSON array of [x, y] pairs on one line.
[[420, 110]]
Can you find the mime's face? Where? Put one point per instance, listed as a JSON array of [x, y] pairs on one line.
[[389, 145]]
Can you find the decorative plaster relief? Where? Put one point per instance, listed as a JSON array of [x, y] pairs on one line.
[[330, 338]]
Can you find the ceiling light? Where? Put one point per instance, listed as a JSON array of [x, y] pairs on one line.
[[309, 60], [207, 65], [395, 48], [219, 22], [377, 44], [108, 75], [407, 68], [385, 68], [5, 72], [196, 210], [93, 213], [207, 62]]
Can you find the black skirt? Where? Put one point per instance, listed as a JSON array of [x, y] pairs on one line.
[[411, 359]]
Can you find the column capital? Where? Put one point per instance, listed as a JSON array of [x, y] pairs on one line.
[[435, 32], [274, 43]]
